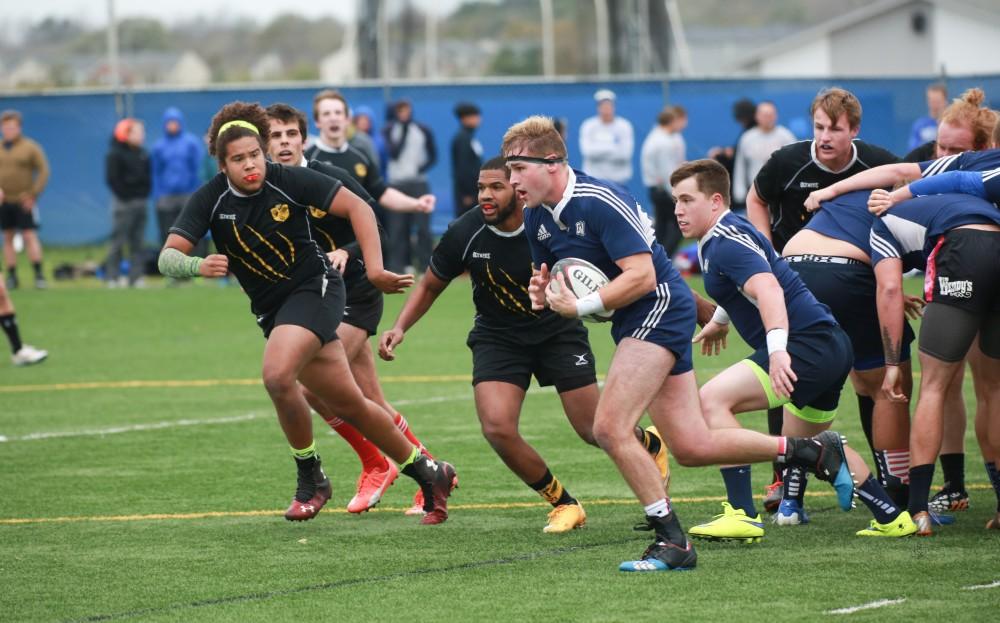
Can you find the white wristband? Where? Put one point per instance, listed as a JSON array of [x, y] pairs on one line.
[[590, 304], [777, 341], [720, 316]]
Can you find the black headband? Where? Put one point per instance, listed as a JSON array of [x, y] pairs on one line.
[[533, 160]]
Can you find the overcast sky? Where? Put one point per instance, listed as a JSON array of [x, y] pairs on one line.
[[95, 12]]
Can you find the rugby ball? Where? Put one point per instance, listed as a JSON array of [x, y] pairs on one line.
[[583, 278]]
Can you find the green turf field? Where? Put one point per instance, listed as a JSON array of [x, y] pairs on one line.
[[144, 477]]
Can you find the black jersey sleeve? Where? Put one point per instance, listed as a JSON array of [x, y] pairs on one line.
[[374, 181], [195, 218], [448, 261], [768, 180], [308, 187]]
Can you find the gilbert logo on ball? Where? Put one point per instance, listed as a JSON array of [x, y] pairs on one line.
[[583, 278]]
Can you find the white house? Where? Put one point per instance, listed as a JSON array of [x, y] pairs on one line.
[[888, 38]]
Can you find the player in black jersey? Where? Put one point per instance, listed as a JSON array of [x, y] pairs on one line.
[[332, 116], [362, 312], [775, 202], [510, 342], [257, 213]]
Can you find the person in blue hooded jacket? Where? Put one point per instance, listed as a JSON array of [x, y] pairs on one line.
[[176, 160]]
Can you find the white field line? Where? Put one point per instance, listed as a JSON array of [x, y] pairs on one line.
[[130, 428], [881, 603], [976, 587]]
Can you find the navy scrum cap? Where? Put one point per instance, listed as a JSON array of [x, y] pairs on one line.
[[466, 109]]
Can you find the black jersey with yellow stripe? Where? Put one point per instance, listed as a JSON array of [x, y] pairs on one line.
[[267, 236]]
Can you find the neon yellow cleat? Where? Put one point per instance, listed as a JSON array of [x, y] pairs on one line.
[[662, 457], [899, 527], [732, 525], [564, 518]]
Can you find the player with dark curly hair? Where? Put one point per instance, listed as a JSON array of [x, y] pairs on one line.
[[258, 214]]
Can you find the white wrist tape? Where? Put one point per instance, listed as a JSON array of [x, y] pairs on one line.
[[777, 341], [720, 316], [590, 304]]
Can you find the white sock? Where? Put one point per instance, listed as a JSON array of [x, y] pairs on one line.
[[659, 508]]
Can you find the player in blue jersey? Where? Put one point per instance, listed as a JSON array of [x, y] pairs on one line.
[[801, 356], [569, 214], [953, 495], [956, 239], [832, 256]]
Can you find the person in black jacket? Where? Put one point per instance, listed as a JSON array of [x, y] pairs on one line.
[[130, 180], [466, 158], [412, 152]]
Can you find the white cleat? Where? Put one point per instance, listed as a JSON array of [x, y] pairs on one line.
[[29, 355]]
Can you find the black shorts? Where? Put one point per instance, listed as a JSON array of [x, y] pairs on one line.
[[849, 291], [963, 270], [317, 305], [364, 310], [564, 359], [821, 359], [13, 216]]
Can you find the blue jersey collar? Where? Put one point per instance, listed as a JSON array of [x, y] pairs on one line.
[[708, 236], [567, 195]]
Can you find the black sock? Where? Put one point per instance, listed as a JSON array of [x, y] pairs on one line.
[[877, 501], [12, 273], [9, 325], [866, 411], [775, 420], [552, 490], [38, 270], [738, 488], [920, 487], [307, 478], [991, 469], [953, 470], [795, 484]]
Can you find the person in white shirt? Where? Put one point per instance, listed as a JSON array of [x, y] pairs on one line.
[[607, 142], [756, 146], [659, 159]]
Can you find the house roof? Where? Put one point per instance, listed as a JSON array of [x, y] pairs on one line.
[[970, 8]]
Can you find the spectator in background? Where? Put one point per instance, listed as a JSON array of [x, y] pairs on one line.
[[925, 128], [412, 153], [466, 158], [360, 139], [658, 162], [24, 171], [965, 125], [755, 148], [128, 175], [744, 113], [607, 142], [176, 167], [364, 123]]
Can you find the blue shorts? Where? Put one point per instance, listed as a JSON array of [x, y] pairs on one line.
[[849, 291], [666, 316], [821, 359]]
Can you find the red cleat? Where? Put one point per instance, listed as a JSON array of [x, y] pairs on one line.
[[437, 492], [312, 492], [371, 485]]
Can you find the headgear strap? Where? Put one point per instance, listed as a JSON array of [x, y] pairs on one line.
[[239, 123], [533, 160]]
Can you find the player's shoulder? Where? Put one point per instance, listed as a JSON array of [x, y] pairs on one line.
[[328, 169], [589, 190], [873, 155], [468, 223], [735, 233], [209, 193], [797, 151]]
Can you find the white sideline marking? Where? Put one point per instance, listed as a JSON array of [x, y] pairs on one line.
[[976, 587], [881, 603], [115, 430]]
